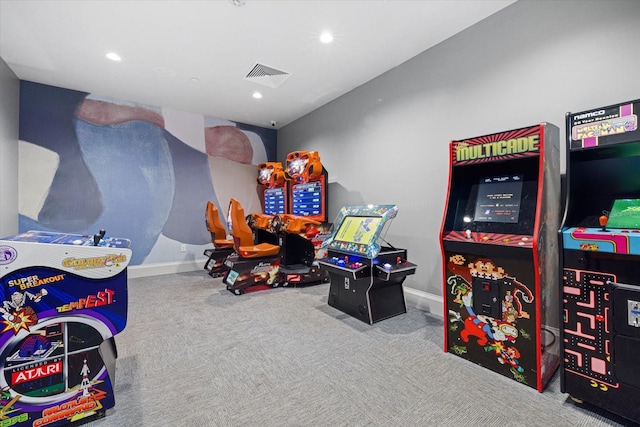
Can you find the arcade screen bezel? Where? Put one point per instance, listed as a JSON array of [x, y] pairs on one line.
[[464, 194], [381, 213], [510, 188], [321, 181], [350, 229], [282, 190], [617, 217]]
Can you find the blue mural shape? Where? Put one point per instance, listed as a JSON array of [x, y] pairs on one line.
[[119, 170]]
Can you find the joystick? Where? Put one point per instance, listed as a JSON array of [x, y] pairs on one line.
[[468, 233], [603, 219], [96, 239]]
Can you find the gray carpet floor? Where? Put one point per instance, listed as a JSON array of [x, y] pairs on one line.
[[194, 354]]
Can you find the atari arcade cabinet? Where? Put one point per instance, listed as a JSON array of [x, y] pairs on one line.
[[366, 276], [64, 298], [500, 252], [600, 264]]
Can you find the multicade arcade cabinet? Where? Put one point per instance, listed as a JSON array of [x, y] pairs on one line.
[[64, 299], [500, 252], [366, 276], [600, 237]]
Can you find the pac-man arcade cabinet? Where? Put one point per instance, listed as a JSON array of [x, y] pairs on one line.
[[600, 273], [500, 252]]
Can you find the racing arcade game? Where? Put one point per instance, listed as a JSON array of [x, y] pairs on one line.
[[252, 266], [500, 252], [366, 276], [307, 185], [273, 183], [600, 264], [222, 247], [304, 228]]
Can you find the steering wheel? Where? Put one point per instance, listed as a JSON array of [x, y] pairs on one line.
[[276, 224], [251, 221]]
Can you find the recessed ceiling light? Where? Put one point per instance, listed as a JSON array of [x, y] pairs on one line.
[[114, 56], [257, 95], [326, 37]]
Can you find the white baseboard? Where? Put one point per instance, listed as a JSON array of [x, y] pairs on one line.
[[424, 301], [147, 270]]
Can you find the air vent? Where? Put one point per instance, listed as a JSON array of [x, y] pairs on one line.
[[267, 76]]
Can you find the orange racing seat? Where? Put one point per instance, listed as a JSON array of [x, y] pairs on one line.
[[243, 235], [216, 228]]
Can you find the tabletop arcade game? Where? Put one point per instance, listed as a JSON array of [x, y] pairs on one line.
[[64, 299], [500, 252], [600, 266], [366, 271]]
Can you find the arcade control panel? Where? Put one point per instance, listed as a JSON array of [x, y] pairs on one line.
[[398, 267], [387, 266], [617, 241], [98, 239]]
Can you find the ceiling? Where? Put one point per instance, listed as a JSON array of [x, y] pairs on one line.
[[194, 55]]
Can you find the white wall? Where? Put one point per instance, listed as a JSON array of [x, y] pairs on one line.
[[387, 140], [9, 107]]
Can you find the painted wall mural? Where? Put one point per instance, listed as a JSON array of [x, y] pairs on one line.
[[141, 172]]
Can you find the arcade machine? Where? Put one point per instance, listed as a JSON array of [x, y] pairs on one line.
[[308, 192], [308, 185], [222, 247], [64, 299], [298, 261], [600, 236], [252, 266], [500, 253], [273, 183], [366, 276]]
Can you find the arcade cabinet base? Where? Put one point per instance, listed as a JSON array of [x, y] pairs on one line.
[[369, 304]]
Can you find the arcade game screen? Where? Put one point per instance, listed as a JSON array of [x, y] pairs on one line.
[[358, 229], [275, 200], [625, 213], [498, 199], [308, 199], [490, 203]]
